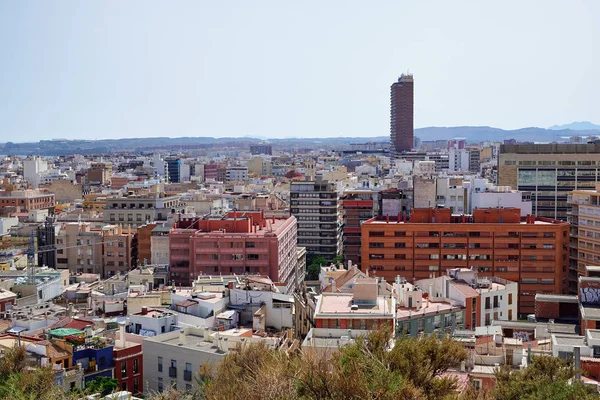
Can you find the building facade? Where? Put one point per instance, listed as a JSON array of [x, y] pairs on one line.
[[173, 169], [26, 200], [140, 209], [584, 217], [549, 172], [79, 248], [315, 206], [358, 206], [256, 149], [495, 242], [239, 243], [402, 114]]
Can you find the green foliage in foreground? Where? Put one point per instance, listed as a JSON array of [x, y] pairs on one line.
[[369, 368]]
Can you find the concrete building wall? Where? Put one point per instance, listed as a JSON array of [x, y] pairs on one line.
[[160, 250], [181, 355], [424, 192]]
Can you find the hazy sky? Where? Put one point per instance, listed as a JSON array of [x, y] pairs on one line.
[[109, 69]]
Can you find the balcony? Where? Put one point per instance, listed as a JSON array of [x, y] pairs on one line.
[[172, 372]]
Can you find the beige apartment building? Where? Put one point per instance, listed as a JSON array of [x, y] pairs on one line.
[[79, 248], [549, 172], [140, 209], [83, 249], [584, 216]]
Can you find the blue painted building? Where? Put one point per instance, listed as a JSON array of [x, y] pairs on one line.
[[96, 361]]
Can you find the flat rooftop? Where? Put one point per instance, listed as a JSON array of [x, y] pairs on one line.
[[190, 341], [536, 222], [336, 303], [594, 333], [432, 308], [556, 298], [188, 292], [569, 340], [590, 312], [492, 288]]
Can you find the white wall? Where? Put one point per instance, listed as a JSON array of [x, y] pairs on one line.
[[6, 224], [276, 317]]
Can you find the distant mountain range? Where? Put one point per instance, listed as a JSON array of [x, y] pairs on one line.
[[482, 133], [576, 126], [139, 145]]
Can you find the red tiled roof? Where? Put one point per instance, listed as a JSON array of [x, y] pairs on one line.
[[590, 359], [79, 323]]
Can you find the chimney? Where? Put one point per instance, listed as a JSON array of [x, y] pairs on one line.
[[398, 218], [122, 334], [333, 287], [144, 310], [387, 218]]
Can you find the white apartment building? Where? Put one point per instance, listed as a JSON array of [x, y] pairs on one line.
[[32, 168], [458, 159], [173, 359], [236, 174]]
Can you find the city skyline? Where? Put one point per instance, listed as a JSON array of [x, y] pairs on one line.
[[101, 71]]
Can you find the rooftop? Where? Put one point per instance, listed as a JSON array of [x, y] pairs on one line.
[[590, 312], [341, 303], [569, 340], [556, 298], [63, 332], [594, 333], [427, 308]]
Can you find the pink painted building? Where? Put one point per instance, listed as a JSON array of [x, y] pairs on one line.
[[239, 243]]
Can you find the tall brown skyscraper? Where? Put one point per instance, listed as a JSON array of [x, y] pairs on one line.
[[402, 113]]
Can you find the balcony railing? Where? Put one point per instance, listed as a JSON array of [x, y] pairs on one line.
[[187, 376], [172, 372]]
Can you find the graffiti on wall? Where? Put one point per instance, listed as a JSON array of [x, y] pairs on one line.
[[524, 336], [589, 295]]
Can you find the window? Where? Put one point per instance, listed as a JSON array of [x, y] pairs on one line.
[[124, 386], [510, 299], [135, 366], [187, 374], [136, 386], [160, 384], [124, 369], [173, 369], [188, 387], [159, 364]]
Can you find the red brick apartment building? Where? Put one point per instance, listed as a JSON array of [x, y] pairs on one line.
[[494, 242], [26, 200], [239, 243]]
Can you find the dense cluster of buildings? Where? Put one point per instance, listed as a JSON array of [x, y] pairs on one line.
[[142, 267]]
